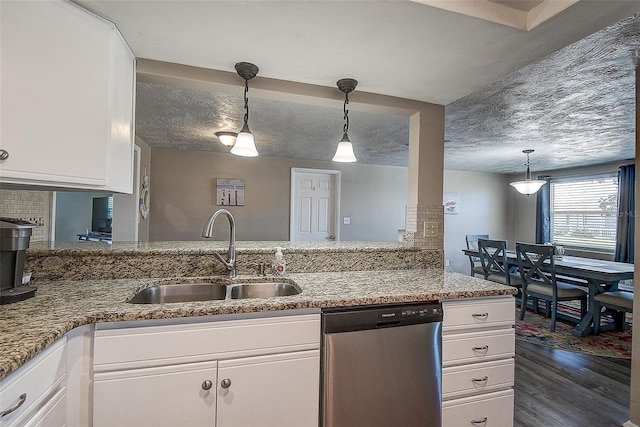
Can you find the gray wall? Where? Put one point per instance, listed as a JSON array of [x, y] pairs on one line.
[[485, 208], [73, 214], [183, 188]]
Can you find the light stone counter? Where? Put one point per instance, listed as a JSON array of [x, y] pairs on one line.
[[28, 327]]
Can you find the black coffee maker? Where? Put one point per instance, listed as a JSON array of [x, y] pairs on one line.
[[15, 235]]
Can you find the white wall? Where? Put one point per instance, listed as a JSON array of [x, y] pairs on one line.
[[485, 202]]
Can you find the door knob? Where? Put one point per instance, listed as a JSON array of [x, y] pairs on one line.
[[206, 385], [4, 154], [226, 383]]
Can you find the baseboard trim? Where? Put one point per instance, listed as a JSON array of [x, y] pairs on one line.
[[629, 424]]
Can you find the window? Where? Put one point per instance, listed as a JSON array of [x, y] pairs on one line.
[[584, 212]]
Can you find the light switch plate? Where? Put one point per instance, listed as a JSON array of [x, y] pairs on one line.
[[346, 220], [430, 229]]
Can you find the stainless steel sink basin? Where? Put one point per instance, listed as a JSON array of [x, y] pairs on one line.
[[190, 292], [180, 292], [262, 290]]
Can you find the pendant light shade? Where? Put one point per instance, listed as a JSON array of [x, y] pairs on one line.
[[528, 186], [245, 145], [344, 152]]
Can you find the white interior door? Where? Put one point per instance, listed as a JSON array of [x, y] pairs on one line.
[[314, 206]]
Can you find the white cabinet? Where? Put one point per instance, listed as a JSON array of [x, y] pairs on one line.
[[68, 85], [162, 396], [276, 390], [478, 346], [35, 393], [258, 371]]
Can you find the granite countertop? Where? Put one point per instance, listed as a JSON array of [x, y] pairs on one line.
[[208, 246], [28, 327]]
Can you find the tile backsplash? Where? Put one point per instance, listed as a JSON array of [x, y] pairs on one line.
[[33, 206]]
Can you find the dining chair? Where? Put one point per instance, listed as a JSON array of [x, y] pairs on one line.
[[537, 268], [472, 243], [620, 302], [493, 258]]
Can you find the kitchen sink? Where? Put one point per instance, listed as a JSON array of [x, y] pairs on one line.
[[190, 292], [180, 292], [262, 290]]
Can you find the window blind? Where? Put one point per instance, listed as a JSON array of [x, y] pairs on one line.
[[584, 212]]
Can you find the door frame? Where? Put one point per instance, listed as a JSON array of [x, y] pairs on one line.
[[336, 210]]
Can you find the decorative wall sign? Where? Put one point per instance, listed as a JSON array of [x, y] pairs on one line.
[[451, 203], [229, 192]]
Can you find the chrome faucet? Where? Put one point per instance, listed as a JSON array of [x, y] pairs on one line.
[[207, 231]]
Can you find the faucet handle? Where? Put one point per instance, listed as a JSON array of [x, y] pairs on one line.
[[259, 266]]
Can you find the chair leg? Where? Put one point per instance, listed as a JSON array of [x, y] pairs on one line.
[[583, 307], [554, 310], [618, 319], [523, 305]]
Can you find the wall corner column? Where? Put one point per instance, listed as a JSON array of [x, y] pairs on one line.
[[426, 174]]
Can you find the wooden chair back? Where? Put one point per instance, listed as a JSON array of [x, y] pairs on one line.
[[531, 257], [493, 256]]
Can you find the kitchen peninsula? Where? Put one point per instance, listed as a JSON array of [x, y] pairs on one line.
[[80, 285]]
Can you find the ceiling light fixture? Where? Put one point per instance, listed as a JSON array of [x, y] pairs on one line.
[[528, 186], [344, 153], [245, 145], [227, 138]]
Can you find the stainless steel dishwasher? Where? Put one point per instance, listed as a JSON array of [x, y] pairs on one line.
[[381, 366]]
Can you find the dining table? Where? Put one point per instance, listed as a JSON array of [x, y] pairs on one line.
[[595, 274]]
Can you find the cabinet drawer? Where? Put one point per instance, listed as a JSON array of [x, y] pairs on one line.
[[52, 414], [487, 410], [37, 380], [478, 313], [147, 346], [477, 346], [477, 378]]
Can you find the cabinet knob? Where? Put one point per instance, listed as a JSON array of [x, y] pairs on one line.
[[226, 383], [4, 154], [206, 385]]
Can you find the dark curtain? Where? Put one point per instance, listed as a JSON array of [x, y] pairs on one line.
[[626, 212], [543, 213]]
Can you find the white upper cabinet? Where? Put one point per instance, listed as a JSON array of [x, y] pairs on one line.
[[67, 98]]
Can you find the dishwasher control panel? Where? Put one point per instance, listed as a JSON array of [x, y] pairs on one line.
[[379, 316]]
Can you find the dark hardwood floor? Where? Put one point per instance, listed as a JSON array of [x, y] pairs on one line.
[[564, 389]]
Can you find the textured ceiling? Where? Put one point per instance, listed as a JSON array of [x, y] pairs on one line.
[[187, 119], [575, 107]]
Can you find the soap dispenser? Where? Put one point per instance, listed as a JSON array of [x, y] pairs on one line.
[[279, 264]]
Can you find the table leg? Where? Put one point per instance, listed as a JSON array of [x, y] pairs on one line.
[[585, 327]]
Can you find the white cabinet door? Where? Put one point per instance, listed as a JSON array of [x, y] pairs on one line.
[[52, 414], [277, 390], [154, 397], [60, 110]]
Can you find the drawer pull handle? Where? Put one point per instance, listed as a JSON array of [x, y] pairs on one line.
[[481, 422], [226, 383], [207, 384], [480, 315], [483, 348], [480, 380], [21, 400]]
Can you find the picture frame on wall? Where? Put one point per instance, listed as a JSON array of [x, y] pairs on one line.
[[229, 192]]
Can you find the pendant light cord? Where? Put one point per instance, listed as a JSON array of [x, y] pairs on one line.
[[345, 128], [246, 102]]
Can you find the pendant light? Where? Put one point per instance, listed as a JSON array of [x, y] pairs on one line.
[[528, 186], [344, 153], [245, 145]]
